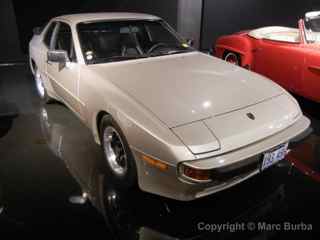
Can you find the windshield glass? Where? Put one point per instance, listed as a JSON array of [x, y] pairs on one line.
[[116, 41], [313, 29]]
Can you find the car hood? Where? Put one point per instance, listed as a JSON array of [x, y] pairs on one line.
[[185, 88]]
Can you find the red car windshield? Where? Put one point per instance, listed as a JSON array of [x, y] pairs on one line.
[[312, 26]]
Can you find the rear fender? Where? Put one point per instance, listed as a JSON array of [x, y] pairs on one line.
[[238, 44]]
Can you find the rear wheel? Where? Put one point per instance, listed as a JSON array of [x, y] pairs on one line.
[[119, 162], [232, 58]]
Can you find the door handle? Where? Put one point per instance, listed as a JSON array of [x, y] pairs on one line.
[[256, 49], [314, 68]]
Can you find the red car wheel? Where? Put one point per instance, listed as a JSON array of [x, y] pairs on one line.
[[232, 58]]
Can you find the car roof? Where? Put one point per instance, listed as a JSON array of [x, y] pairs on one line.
[[88, 17]]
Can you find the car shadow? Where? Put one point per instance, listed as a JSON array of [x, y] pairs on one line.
[[8, 112]]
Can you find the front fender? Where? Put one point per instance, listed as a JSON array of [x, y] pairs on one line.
[[144, 131]]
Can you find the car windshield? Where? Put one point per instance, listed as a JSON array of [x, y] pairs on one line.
[[117, 41], [313, 29]]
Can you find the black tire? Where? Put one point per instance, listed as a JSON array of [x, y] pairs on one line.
[[42, 94], [232, 57], [129, 178]]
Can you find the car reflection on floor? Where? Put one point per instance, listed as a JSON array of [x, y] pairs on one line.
[[139, 215], [306, 156], [70, 141]]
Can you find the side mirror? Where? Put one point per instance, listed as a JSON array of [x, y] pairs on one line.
[[57, 56], [37, 30], [190, 42]]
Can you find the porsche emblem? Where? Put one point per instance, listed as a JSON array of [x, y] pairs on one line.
[[251, 116]]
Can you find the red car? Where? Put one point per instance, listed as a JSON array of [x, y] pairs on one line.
[[305, 157], [289, 56]]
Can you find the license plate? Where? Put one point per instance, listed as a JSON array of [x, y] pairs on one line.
[[272, 157]]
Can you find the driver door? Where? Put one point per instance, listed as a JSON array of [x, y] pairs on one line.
[[310, 86], [280, 61], [65, 77]]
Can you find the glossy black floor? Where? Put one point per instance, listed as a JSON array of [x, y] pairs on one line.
[[48, 159]]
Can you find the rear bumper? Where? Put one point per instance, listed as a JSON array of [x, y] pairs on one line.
[[232, 168]]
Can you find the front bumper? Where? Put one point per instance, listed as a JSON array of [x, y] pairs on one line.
[[231, 168]]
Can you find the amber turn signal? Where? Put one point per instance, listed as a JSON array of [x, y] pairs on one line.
[[154, 162], [195, 174]]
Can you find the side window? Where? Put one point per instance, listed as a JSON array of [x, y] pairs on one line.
[[64, 41], [48, 34]]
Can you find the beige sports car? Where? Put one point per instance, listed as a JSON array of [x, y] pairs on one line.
[[172, 120]]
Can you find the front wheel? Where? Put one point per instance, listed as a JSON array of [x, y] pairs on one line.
[[232, 58], [119, 161], [41, 90]]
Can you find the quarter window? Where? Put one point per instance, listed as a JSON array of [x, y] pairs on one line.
[[48, 34], [64, 41]]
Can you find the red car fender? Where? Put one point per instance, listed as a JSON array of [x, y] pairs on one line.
[[238, 43]]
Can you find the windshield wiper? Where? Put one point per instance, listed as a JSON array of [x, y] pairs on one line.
[[171, 52], [118, 58], [123, 58]]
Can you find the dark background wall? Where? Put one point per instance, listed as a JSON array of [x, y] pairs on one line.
[[229, 16], [17, 18], [9, 40], [33, 13]]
